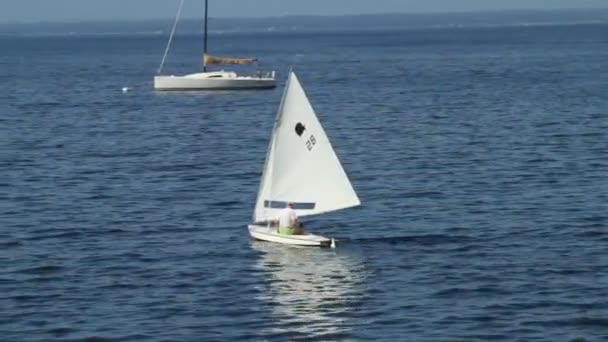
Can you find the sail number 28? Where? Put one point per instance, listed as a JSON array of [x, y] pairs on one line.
[[310, 143]]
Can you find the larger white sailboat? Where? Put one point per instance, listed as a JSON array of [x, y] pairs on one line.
[[212, 80], [301, 167]]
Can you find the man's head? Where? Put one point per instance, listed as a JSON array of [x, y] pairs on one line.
[[290, 205]]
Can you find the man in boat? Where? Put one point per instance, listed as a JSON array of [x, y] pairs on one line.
[[288, 221]]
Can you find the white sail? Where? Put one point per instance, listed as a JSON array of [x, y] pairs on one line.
[[301, 165]]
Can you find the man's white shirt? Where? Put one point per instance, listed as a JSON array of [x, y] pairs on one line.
[[288, 217]]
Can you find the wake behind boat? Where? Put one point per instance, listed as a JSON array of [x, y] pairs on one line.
[[301, 168], [212, 80]]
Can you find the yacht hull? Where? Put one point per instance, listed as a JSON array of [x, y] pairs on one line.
[[212, 83], [270, 234]]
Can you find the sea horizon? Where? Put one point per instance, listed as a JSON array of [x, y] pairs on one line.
[[313, 23]]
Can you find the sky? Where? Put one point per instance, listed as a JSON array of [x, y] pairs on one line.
[[86, 10]]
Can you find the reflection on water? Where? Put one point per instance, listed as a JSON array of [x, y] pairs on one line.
[[313, 293]]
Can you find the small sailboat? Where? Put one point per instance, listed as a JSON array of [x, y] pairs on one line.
[[212, 80], [301, 168]]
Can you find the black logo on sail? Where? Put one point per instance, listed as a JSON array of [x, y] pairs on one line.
[[300, 129]]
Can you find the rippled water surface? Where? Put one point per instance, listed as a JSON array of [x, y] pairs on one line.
[[480, 157]]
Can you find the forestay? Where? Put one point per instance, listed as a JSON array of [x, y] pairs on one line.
[[301, 165]]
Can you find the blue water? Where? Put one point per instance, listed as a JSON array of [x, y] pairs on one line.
[[480, 157]]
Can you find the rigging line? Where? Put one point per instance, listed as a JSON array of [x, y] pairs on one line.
[[205, 44], [179, 11]]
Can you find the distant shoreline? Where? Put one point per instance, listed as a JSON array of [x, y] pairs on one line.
[[514, 12], [317, 22]]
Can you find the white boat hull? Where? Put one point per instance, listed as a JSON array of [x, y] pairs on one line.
[[213, 81], [265, 233]]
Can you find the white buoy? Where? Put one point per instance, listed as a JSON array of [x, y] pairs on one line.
[[125, 89], [333, 243]]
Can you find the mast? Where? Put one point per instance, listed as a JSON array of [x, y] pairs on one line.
[[205, 44], [269, 149]]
